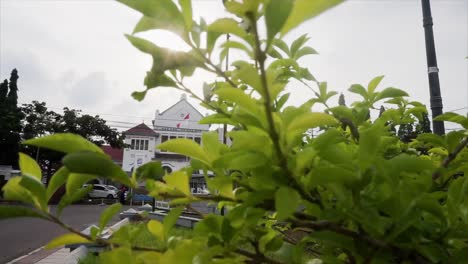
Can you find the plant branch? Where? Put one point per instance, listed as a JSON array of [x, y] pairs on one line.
[[257, 258], [216, 68], [451, 156], [194, 95], [261, 57], [97, 240]]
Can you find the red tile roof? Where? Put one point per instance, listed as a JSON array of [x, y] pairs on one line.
[[141, 130], [116, 154]]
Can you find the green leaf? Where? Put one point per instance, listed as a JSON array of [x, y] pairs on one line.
[[282, 45], [186, 6], [95, 164], [108, 213], [408, 163], [240, 160], [157, 79], [15, 192], [359, 89], [171, 219], [305, 51], [311, 120], [73, 197], [323, 175], [286, 202], [390, 93], [369, 140], [163, 14], [433, 139], [8, 211], [212, 145], [276, 14], [227, 26], [239, 97], [58, 179], [254, 140], [304, 10], [67, 239], [28, 166], [282, 100], [179, 180], [148, 23], [454, 118], [248, 74], [75, 181], [265, 240], [164, 59], [238, 45], [297, 44], [64, 142], [373, 84], [37, 189], [121, 255], [150, 170], [157, 229], [139, 96], [186, 147]]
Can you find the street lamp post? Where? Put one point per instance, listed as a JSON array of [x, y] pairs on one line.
[[432, 70]]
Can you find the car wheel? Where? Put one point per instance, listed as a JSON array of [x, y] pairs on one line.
[[110, 196]]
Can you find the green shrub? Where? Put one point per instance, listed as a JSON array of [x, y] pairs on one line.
[[352, 192]]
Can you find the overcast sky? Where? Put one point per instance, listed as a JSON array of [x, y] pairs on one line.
[[73, 52]]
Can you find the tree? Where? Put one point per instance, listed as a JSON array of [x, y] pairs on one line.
[[39, 121], [10, 121], [352, 194], [409, 132]]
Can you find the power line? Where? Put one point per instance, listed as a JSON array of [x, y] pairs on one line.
[[458, 109]]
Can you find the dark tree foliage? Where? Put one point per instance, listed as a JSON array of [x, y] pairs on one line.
[[10, 121], [408, 132], [341, 100], [40, 121]]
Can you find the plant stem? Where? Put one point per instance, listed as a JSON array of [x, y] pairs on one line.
[[451, 156], [216, 68], [257, 258], [187, 90], [261, 57]]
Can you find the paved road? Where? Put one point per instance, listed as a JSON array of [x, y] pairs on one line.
[[22, 235]]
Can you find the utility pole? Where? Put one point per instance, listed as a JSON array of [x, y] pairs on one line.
[[432, 69]]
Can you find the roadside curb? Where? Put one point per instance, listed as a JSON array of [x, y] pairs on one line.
[[34, 256]]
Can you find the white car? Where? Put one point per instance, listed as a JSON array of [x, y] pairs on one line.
[[102, 191]]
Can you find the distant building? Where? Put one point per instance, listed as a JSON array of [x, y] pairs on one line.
[[116, 154], [181, 120]]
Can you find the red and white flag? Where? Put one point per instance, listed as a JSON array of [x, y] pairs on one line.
[[178, 125], [187, 116]]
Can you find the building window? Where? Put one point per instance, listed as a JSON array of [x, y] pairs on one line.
[[139, 144]]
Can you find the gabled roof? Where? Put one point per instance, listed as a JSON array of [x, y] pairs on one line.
[[183, 100], [141, 130], [116, 154]]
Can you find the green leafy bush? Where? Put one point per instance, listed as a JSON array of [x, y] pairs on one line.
[[352, 193]]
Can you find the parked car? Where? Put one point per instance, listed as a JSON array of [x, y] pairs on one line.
[[102, 191]]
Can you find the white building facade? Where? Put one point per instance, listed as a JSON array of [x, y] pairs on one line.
[[178, 121]]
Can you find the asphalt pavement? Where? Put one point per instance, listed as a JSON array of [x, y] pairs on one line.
[[20, 236]]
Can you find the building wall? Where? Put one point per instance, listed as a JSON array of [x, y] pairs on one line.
[[133, 158], [176, 114], [169, 124]]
